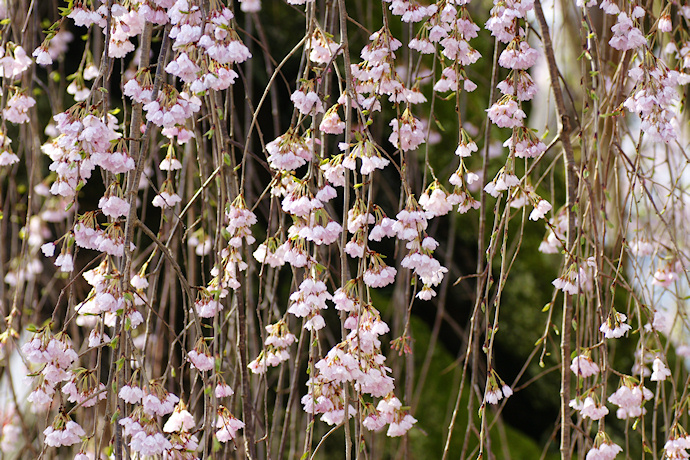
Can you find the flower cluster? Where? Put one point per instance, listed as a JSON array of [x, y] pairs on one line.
[[630, 398], [583, 366], [227, 425], [55, 356], [84, 141], [603, 449], [496, 389], [63, 432], [275, 348], [589, 408], [615, 325], [308, 301], [655, 97]]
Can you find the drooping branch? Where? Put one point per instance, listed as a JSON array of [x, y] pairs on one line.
[[571, 191]]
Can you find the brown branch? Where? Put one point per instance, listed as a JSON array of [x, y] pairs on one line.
[[571, 187]]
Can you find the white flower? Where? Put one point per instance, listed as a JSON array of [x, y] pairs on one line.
[[615, 326], [180, 420], [660, 371], [48, 249]]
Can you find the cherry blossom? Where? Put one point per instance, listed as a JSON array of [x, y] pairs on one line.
[[603, 449], [630, 398], [659, 371], [615, 326], [583, 366], [407, 133], [63, 432], [227, 425]]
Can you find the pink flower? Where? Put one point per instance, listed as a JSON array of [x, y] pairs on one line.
[[14, 63], [402, 427], [18, 107], [250, 6], [355, 249], [526, 88], [676, 447], [379, 276], [223, 390], [180, 420], [630, 397], [592, 410], [41, 398], [436, 203], [161, 403], [149, 444], [459, 50], [166, 200], [384, 228], [201, 361], [308, 103], [606, 451], [206, 306], [309, 299], [665, 24], [113, 206], [131, 395], [407, 132], [625, 35], [423, 46], [83, 17], [505, 113], [518, 55], [288, 152], [322, 48], [503, 181], [228, 425], [331, 122], [583, 366], [63, 435], [666, 275], [183, 68]]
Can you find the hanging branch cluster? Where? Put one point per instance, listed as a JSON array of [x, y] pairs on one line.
[[213, 243]]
